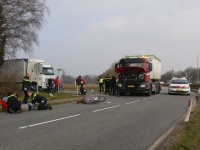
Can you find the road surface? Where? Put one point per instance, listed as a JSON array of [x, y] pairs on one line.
[[119, 123]]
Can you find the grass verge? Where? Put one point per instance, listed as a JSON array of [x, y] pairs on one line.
[[71, 87], [48, 97], [188, 138]]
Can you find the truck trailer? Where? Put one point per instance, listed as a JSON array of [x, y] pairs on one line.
[[14, 70], [139, 74]]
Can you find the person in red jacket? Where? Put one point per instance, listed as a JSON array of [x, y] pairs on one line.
[[56, 82], [78, 82]]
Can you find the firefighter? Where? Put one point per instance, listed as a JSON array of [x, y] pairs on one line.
[[101, 81], [36, 98], [107, 84], [26, 85]]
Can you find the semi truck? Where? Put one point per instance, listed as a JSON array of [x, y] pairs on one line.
[[139, 74], [14, 70]]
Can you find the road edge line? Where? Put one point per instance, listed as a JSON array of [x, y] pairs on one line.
[[166, 134]]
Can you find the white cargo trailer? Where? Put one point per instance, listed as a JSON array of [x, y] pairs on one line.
[[15, 69]]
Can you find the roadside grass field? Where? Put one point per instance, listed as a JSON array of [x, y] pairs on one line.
[[188, 138], [71, 87]]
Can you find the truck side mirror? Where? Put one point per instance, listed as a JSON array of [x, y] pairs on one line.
[[150, 67], [116, 66]]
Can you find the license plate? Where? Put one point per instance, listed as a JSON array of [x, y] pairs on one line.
[[180, 90], [131, 86]]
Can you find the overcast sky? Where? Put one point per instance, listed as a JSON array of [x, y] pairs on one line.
[[84, 37]]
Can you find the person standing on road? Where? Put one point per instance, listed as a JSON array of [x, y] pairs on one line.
[[78, 82], [56, 82], [107, 84], [26, 85], [101, 81], [116, 87], [112, 85], [50, 85]]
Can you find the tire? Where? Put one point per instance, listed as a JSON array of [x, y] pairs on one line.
[[61, 89], [159, 89], [149, 92], [53, 90], [101, 98]]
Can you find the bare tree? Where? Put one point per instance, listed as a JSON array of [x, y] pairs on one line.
[[20, 20]]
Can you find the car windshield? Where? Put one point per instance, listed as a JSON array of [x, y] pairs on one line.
[[179, 82], [48, 71]]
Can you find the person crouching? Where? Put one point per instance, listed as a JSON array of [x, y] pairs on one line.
[[36, 98], [14, 105]]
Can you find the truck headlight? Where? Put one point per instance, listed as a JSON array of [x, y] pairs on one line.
[[119, 85], [142, 85]]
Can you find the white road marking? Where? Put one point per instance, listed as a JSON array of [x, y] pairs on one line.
[[133, 102], [106, 108], [108, 102], [144, 98], [37, 124]]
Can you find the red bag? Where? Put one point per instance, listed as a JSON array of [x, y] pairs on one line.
[[4, 104]]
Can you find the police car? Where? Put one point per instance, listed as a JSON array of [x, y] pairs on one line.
[[179, 86]]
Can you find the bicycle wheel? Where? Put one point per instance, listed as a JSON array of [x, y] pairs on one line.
[[61, 89], [53, 90], [101, 98]]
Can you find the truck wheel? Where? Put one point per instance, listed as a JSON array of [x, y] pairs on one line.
[[158, 90], [121, 93], [149, 92]]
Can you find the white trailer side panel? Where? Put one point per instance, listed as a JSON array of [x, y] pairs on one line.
[[13, 70], [155, 74]]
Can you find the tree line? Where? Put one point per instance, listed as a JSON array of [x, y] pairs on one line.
[[190, 73], [90, 79]]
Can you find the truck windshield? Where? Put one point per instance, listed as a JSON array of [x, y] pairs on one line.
[[48, 71], [134, 64]]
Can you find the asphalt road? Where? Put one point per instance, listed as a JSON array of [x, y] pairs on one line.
[[119, 123]]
